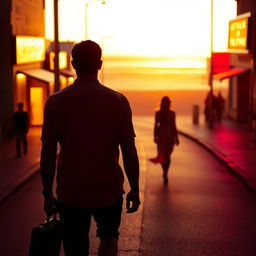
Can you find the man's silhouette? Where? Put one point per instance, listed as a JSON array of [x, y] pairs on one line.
[[21, 125], [89, 121], [219, 106]]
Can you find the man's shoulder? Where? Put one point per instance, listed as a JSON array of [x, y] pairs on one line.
[[55, 96], [113, 93]]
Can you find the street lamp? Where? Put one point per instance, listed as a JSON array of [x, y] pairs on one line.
[[56, 48], [86, 14]]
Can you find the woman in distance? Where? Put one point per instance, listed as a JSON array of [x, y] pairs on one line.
[[165, 135]]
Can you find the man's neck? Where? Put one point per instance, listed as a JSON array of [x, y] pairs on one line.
[[86, 79], [88, 76]]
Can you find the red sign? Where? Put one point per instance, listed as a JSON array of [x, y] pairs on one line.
[[220, 62]]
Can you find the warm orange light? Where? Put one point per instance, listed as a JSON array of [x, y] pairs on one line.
[[63, 82], [175, 35], [147, 28], [238, 33], [62, 60], [37, 105], [29, 49], [20, 76], [21, 89], [71, 80]]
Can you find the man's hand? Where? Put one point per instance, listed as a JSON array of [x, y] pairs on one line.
[[156, 140], [132, 202], [50, 205]]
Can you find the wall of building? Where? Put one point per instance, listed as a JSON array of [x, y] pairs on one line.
[[6, 79], [17, 17], [27, 17], [249, 60]]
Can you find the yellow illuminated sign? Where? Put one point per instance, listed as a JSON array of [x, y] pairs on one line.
[[238, 34], [29, 49]]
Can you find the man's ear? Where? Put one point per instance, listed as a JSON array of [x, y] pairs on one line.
[[100, 65]]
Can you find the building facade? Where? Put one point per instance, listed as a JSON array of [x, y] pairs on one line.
[[246, 84], [22, 48], [239, 68], [242, 47], [25, 75]]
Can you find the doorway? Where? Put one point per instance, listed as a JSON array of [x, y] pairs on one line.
[[36, 105]]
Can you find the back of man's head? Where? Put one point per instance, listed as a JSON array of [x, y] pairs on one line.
[[20, 105], [86, 57]]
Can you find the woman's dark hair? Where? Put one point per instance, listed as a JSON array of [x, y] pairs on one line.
[[164, 108], [86, 56], [165, 103]]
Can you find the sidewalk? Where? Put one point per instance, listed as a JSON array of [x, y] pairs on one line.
[[230, 142], [14, 172]]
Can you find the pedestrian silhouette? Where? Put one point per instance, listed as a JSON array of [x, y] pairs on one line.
[[207, 107], [210, 104], [219, 107], [90, 122], [165, 135], [20, 129]]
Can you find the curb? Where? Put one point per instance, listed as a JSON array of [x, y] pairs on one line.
[[248, 181], [22, 180]]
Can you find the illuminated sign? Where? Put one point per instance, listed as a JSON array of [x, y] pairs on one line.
[[238, 34], [29, 49]]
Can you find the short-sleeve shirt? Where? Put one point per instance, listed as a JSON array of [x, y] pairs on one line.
[[88, 120]]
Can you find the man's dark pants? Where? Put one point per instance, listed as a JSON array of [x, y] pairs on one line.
[[76, 225], [21, 138]]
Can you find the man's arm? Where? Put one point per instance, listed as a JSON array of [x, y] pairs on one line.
[[48, 157], [156, 128], [176, 131], [131, 167], [27, 122], [130, 159]]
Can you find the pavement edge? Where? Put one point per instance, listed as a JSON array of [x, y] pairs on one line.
[[248, 181]]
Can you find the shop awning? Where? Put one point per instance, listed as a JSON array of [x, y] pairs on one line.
[[65, 72], [229, 73], [40, 74]]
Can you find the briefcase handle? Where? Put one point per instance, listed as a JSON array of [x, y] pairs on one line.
[[50, 219]]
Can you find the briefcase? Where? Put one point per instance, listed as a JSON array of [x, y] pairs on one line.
[[46, 238]]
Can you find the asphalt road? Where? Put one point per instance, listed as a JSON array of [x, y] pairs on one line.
[[204, 210]]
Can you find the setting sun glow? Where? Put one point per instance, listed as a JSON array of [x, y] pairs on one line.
[[148, 43], [145, 27]]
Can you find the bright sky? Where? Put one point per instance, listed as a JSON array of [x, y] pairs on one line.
[[145, 27]]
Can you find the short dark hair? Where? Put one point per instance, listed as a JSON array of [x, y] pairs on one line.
[[20, 104], [86, 56]]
